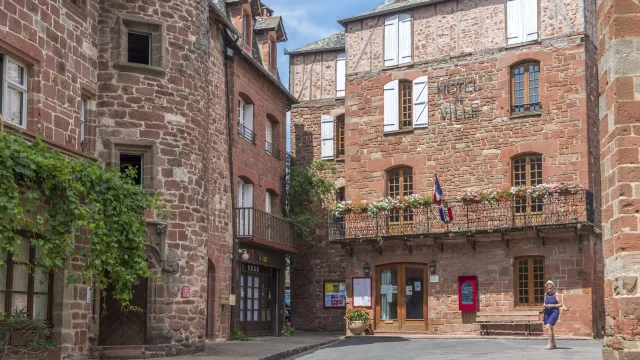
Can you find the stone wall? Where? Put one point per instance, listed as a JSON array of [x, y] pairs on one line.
[[618, 59]]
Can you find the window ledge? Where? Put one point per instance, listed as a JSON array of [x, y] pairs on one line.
[[532, 42], [390, 67], [340, 159], [530, 114], [140, 68], [79, 11], [397, 132]]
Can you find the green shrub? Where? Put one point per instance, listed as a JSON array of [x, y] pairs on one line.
[[237, 335]]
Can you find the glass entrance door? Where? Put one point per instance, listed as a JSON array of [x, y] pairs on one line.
[[401, 297]]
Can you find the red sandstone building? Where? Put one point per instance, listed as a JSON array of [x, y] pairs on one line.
[[487, 96], [188, 94]]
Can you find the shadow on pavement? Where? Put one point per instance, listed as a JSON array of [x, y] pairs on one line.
[[366, 341]]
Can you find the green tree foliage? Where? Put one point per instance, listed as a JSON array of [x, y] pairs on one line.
[[308, 191], [73, 211]]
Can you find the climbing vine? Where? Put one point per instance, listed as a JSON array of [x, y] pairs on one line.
[[308, 190], [80, 217]]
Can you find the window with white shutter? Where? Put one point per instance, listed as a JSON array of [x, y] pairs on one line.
[[13, 94], [245, 120], [268, 131], [421, 102], [398, 40], [522, 21], [391, 109], [267, 202], [245, 208], [341, 74], [327, 136]]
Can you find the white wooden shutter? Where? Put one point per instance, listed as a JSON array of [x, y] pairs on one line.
[[248, 116], [515, 26], [391, 110], [240, 111], [421, 102], [268, 132], [267, 202], [391, 41], [404, 39], [327, 136], [242, 213], [240, 193], [340, 75], [248, 203], [530, 20]]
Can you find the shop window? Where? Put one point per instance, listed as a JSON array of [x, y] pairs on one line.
[[525, 88], [400, 183], [25, 287], [529, 272], [13, 94]]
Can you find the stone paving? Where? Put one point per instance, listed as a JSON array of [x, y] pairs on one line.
[[386, 348]]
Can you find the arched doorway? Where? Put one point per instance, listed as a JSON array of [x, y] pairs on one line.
[[211, 298]]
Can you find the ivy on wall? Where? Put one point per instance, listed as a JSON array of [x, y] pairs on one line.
[[80, 217], [307, 187]]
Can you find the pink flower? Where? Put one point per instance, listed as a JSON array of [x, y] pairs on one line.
[[51, 351]]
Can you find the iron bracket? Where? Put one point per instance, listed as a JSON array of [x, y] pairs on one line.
[[439, 244], [541, 236], [472, 241], [377, 249], [506, 240]]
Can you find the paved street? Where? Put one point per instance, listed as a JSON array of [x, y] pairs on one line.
[[386, 348]]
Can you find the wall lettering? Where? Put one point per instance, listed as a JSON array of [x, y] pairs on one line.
[[455, 90]]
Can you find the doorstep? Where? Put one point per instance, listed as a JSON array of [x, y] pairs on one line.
[[425, 335]]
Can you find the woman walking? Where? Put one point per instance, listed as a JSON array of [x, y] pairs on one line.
[[551, 312]]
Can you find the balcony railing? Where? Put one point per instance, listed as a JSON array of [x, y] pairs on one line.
[[554, 211], [271, 148], [264, 226], [246, 132]]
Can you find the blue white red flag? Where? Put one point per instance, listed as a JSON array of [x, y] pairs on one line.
[[446, 214], [437, 192]]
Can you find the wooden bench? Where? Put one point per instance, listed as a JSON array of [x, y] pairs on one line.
[[526, 318]]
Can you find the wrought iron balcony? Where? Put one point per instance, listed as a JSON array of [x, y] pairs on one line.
[[265, 228], [519, 214], [246, 132], [271, 148]]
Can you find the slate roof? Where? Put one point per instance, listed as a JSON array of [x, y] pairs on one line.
[[264, 23], [390, 6], [333, 42]]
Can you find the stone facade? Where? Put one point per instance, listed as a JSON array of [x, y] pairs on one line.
[[176, 114], [458, 41], [618, 37]]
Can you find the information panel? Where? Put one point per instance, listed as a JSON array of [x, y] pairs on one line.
[[468, 293], [335, 294]]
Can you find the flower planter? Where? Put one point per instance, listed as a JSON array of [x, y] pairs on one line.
[[565, 193], [357, 327], [469, 202]]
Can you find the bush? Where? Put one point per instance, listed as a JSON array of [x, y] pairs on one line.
[[287, 329], [239, 336], [22, 336]]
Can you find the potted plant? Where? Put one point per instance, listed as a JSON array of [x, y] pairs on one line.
[[471, 197], [357, 319]]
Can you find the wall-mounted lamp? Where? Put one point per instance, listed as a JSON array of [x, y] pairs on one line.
[[366, 268], [245, 256], [432, 268]]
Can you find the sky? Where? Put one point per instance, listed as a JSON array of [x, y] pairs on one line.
[[309, 20]]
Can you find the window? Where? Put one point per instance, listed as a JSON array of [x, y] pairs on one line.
[[245, 120], [135, 162], [268, 143], [406, 104], [79, 7], [13, 97], [246, 28], [400, 183], [340, 194], [245, 208], [527, 171], [529, 272], [83, 119], [525, 88], [341, 62], [522, 21], [141, 45], [327, 134], [340, 136], [139, 48], [268, 202], [397, 40], [25, 286]]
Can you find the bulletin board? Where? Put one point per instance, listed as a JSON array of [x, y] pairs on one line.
[[362, 292], [335, 294]]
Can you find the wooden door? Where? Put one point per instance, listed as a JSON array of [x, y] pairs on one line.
[[401, 297], [118, 327]]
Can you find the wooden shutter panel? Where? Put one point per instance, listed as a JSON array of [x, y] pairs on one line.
[[391, 103], [267, 202], [327, 136], [530, 20], [391, 41], [515, 24], [421, 102], [248, 195], [241, 111], [404, 39], [248, 116], [240, 193], [340, 75], [268, 131]]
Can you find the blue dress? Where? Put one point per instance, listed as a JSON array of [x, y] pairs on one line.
[[551, 314]]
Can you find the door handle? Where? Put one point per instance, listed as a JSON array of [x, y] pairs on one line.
[[404, 299]]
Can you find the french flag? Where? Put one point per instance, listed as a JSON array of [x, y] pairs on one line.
[[446, 214], [437, 192]]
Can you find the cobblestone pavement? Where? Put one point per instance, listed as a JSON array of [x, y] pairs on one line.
[[386, 348]]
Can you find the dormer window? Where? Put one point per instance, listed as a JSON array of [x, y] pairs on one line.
[[273, 54]]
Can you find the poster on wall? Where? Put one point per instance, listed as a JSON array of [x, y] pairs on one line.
[[335, 294], [362, 292]]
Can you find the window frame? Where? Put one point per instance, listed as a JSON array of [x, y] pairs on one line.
[[530, 281], [246, 132], [150, 52], [527, 205], [405, 95], [340, 136], [404, 218], [31, 293], [341, 194], [23, 89], [526, 106], [385, 42]]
